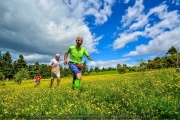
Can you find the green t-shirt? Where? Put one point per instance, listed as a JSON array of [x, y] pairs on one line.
[[76, 54]]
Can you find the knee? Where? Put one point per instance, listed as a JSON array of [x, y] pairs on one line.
[[79, 76]]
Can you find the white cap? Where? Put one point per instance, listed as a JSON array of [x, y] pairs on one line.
[[57, 55]]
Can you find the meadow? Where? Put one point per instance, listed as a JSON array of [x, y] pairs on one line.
[[138, 95]]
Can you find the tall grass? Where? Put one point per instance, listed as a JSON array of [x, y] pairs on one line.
[[132, 95]]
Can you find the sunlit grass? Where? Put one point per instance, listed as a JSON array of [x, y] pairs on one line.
[[131, 95]]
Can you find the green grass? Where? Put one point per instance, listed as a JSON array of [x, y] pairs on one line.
[[149, 95]]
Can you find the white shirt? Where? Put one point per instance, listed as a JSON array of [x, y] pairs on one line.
[[56, 64]]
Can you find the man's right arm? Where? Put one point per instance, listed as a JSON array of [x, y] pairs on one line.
[[51, 64], [65, 58], [66, 55]]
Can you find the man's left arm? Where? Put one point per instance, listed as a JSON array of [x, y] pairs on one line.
[[87, 54]]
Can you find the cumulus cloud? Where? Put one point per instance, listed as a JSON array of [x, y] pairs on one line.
[[107, 64], [162, 34], [125, 38], [99, 9], [133, 14], [160, 44], [45, 27], [38, 57]]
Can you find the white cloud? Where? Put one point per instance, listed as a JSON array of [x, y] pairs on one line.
[[133, 14], [132, 53], [45, 27], [169, 20], [42, 59], [163, 33], [101, 15], [38, 57], [107, 64], [140, 24], [160, 44], [125, 38]]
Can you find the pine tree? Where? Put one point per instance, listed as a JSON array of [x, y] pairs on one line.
[[36, 68], [21, 63], [44, 71], [31, 71], [172, 50], [7, 65]]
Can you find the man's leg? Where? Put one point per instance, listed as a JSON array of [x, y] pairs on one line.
[[77, 75], [74, 78], [52, 80], [78, 80], [58, 80]]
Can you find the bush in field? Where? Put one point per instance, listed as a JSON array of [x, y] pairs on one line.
[[23, 73], [121, 68]]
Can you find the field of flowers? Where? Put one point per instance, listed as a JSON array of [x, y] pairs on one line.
[[152, 94]]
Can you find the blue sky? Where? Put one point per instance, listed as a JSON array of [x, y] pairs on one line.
[[114, 32]]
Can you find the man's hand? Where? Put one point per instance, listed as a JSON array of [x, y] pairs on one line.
[[53, 71], [60, 66], [53, 65], [65, 62], [89, 57]]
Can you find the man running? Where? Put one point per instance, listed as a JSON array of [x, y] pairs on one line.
[[55, 69], [75, 64]]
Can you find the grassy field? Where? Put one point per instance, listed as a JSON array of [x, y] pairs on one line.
[[142, 95]]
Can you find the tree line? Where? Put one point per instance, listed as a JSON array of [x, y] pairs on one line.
[[9, 68]]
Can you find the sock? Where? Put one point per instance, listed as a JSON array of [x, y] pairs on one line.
[[72, 86], [77, 83], [74, 78]]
